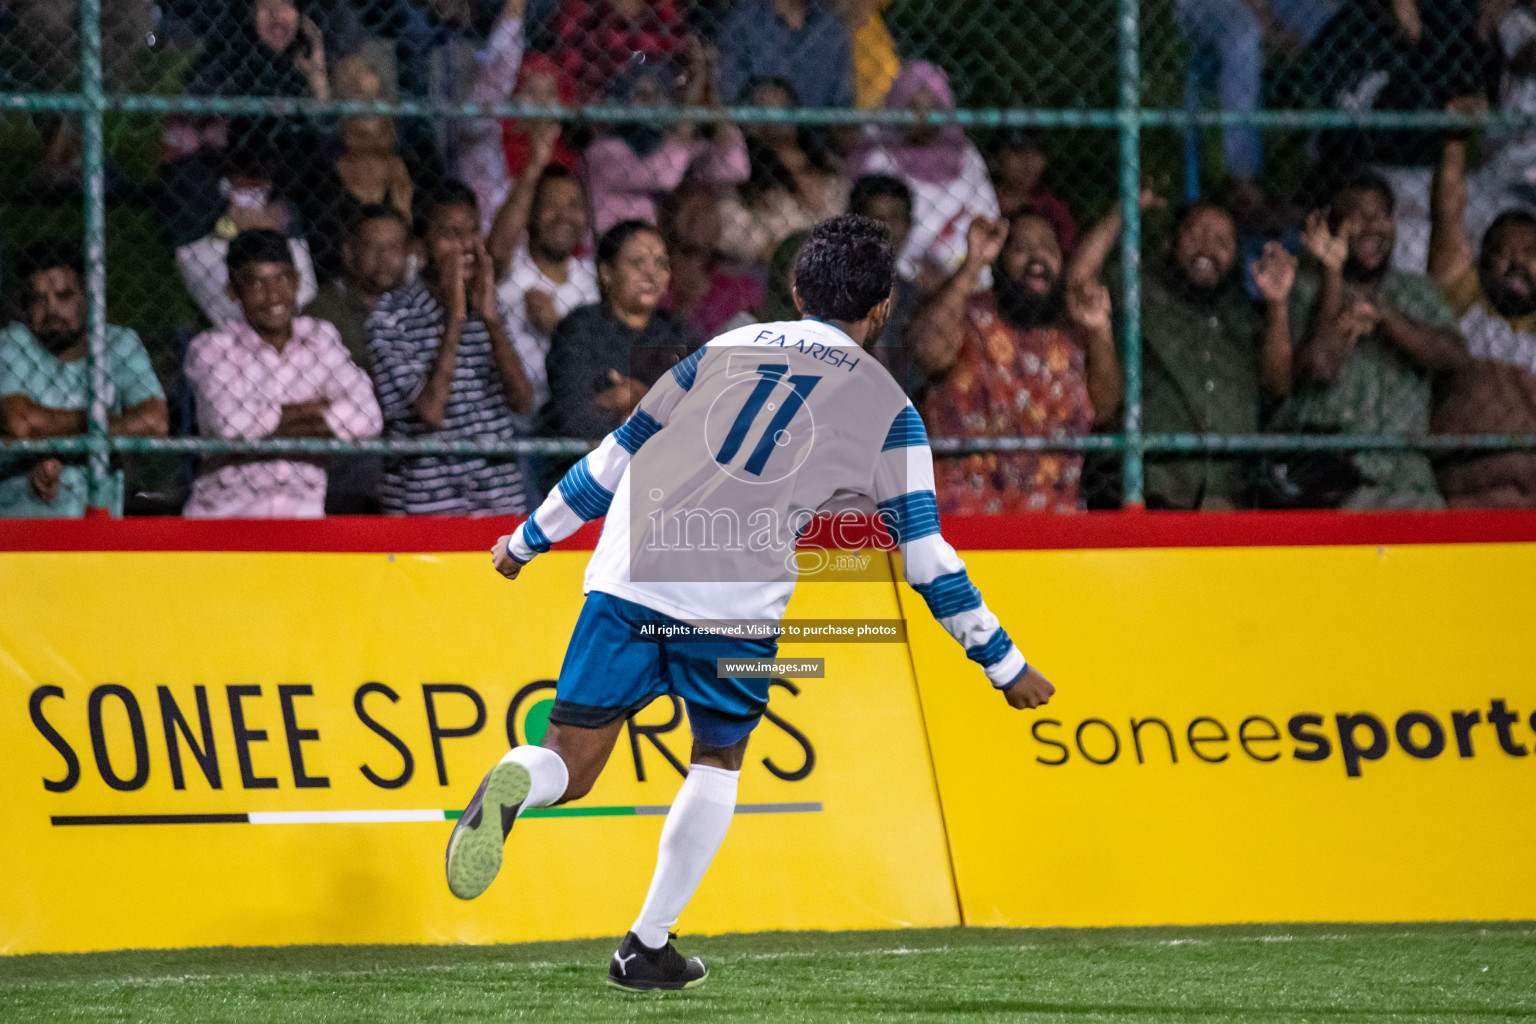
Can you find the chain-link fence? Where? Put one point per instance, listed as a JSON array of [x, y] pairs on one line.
[[279, 258]]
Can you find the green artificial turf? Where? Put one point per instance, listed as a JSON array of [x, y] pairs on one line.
[[1290, 973]]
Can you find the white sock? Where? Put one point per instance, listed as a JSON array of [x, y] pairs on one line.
[[695, 826], [547, 769]]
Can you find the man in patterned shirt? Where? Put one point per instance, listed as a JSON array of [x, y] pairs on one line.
[[1024, 358], [764, 425], [444, 367], [1368, 339]]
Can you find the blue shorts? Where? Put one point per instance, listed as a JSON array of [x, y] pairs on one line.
[[610, 673]]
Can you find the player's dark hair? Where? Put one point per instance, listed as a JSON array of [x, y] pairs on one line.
[[614, 239], [1362, 180], [878, 186], [1501, 225], [375, 211], [845, 268], [259, 245], [449, 192], [49, 254]]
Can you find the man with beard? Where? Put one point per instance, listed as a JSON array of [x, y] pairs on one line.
[[1026, 358], [43, 391], [1495, 391], [1369, 337], [1207, 354]]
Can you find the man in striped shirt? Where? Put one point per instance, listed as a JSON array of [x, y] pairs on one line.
[[746, 438], [444, 367]]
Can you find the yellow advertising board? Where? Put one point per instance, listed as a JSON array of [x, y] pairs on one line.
[[1244, 734], [209, 748], [225, 747]]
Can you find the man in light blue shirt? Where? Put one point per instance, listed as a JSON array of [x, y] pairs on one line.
[[43, 392]]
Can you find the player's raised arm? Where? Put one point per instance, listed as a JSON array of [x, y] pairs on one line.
[[586, 490], [904, 491]]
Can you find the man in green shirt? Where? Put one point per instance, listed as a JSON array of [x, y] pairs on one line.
[[1368, 340], [43, 390], [1208, 355], [376, 255]]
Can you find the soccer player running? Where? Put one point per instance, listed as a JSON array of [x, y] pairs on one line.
[[766, 424]]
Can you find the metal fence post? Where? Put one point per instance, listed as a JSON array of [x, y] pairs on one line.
[[93, 181], [1130, 245]]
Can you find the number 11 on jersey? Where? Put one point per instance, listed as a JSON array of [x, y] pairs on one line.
[[772, 375]]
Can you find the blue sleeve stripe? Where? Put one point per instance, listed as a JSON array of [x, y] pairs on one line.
[[636, 430], [685, 371], [912, 516], [906, 431], [585, 496], [950, 594], [993, 651], [534, 537]]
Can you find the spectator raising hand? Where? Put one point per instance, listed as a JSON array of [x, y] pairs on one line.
[[984, 240], [310, 59], [1274, 272], [1032, 356], [1089, 306], [533, 245], [1209, 355], [1493, 294], [1369, 339], [1328, 247]]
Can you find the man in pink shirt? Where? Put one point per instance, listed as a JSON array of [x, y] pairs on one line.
[[273, 374], [628, 170]]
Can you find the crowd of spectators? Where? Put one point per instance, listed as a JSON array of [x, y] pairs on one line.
[[477, 279]]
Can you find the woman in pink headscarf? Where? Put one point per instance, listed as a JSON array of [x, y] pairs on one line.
[[946, 174]]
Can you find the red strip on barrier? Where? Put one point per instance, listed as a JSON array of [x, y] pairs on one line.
[[1024, 532], [343, 533], [1237, 529]]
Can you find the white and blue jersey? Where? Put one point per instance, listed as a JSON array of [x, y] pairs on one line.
[[708, 484]]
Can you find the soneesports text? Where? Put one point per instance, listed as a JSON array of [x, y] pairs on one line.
[[1358, 736]]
